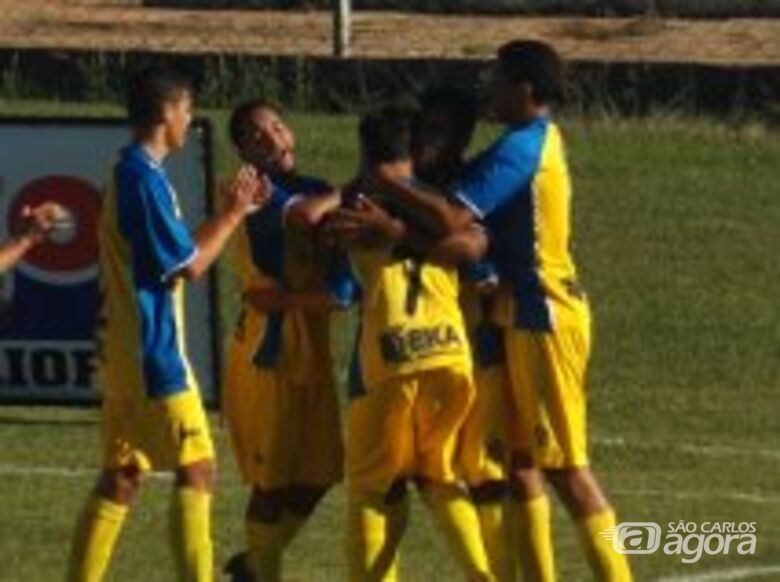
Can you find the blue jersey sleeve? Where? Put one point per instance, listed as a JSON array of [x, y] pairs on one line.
[[502, 172], [160, 241]]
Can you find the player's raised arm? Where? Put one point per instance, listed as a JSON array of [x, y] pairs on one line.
[[38, 222], [367, 223], [248, 192], [431, 206], [308, 211]]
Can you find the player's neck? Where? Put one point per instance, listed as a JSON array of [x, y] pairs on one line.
[[399, 168], [443, 174], [154, 143], [528, 115]]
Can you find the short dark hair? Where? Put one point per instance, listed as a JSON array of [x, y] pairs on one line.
[[460, 102], [239, 119], [149, 90], [386, 133], [536, 63]]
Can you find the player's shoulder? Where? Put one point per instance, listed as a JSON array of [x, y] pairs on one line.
[[135, 166], [525, 139]]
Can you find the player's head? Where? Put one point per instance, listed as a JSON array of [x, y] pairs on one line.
[[443, 128], [160, 99], [527, 77], [386, 135], [262, 138]]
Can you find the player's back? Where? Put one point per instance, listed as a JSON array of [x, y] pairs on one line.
[[410, 316]]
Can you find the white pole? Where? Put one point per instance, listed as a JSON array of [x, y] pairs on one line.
[[342, 27]]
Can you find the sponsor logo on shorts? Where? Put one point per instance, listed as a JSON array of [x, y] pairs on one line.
[[689, 540], [405, 345]]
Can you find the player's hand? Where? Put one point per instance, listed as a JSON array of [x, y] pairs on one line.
[[362, 224], [248, 192], [40, 220]]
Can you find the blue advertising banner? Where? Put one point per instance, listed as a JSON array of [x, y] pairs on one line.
[[48, 303]]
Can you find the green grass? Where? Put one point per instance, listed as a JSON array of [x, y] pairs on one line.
[[676, 235]]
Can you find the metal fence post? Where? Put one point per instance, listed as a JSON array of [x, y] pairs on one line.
[[342, 27]]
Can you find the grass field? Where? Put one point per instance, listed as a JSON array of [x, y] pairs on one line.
[[676, 232]]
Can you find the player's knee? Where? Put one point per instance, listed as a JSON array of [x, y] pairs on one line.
[[492, 491], [303, 499], [579, 489], [266, 505], [120, 485], [525, 478], [199, 475]]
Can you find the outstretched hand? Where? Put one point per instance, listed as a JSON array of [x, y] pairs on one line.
[[248, 192], [41, 220]]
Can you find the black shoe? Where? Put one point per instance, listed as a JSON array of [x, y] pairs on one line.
[[237, 569]]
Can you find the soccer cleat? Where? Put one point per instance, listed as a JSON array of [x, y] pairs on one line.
[[237, 570]]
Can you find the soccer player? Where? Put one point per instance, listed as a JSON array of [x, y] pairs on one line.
[[411, 386], [38, 222], [153, 417], [443, 130], [520, 187], [280, 399]]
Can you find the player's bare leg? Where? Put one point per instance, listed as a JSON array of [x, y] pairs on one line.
[[101, 522], [580, 491]]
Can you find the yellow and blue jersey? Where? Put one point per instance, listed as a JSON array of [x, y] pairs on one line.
[[521, 188], [271, 255], [143, 244]]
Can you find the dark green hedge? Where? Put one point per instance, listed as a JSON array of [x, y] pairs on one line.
[[695, 8]]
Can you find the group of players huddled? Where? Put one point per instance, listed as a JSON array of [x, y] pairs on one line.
[[467, 377]]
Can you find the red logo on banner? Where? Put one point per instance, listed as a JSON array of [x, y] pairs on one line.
[[69, 255]]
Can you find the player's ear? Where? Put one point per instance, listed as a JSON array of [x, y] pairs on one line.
[[526, 91]]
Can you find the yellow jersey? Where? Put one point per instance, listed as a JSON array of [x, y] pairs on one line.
[[410, 319]]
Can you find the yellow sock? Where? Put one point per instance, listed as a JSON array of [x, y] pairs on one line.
[[96, 534], [374, 533], [532, 533], [191, 534], [495, 537], [607, 564], [456, 516]]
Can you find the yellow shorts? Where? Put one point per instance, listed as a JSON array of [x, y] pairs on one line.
[[483, 447], [407, 427], [155, 433], [284, 433], [547, 377]]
